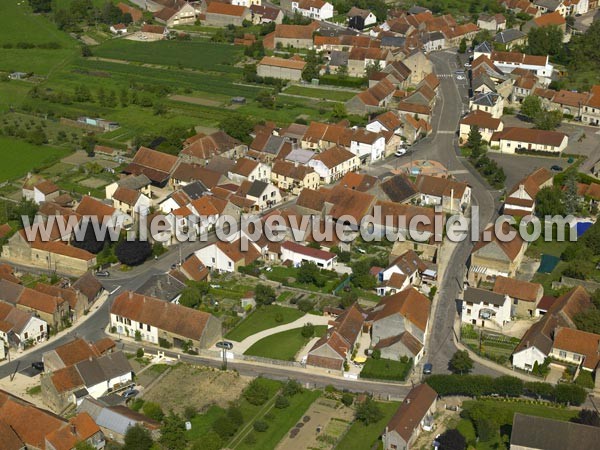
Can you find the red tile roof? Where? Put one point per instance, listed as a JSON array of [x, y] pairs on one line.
[[530, 135], [576, 341], [412, 411], [519, 289], [307, 251], [282, 62], [409, 303]]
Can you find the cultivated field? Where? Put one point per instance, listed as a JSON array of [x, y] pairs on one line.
[[19, 157]]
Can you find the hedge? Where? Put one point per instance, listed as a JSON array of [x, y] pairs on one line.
[[482, 385], [334, 80]]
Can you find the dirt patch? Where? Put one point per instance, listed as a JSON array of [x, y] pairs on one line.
[[330, 416], [197, 386], [195, 100], [93, 183]]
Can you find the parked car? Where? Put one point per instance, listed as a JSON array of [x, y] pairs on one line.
[[401, 151], [224, 344], [467, 65], [556, 168], [130, 393], [460, 77], [103, 273], [39, 365], [360, 250], [173, 266], [427, 368]]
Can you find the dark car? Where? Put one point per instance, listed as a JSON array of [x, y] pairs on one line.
[[103, 273], [39, 365], [427, 368], [224, 344], [556, 168], [130, 393]]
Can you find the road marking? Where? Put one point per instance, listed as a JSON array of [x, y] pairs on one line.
[[458, 172], [446, 132], [114, 290]]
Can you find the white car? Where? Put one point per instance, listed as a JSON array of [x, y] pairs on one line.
[[400, 152], [460, 77]]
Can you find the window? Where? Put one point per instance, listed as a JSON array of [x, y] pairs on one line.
[[515, 302], [41, 327], [229, 263], [26, 335], [562, 354], [148, 327], [141, 326], [576, 357], [468, 311]]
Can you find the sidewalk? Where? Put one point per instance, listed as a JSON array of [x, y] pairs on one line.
[[67, 331], [241, 347]]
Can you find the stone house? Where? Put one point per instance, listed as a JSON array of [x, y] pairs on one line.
[[513, 139], [485, 123], [520, 200], [224, 14], [333, 163], [155, 319], [495, 257], [293, 177], [485, 309], [399, 324], [524, 295], [414, 414], [284, 69], [453, 196]]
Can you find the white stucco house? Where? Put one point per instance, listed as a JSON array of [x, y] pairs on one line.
[[313, 9], [485, 308], [298, 254]]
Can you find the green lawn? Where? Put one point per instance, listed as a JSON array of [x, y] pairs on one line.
[[361, 437], [20, 157], [201, 55], [336, 95], [503, 413], [263, 319], [386, 369], [281, 421], [201, 424], [284, 345]]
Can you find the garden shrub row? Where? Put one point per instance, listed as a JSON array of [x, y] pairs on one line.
[[506, 386]]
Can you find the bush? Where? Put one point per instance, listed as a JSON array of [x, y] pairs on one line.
[[368, 412], [133, 253], [305, 305], [139, 353], [308, 330], [291, 388], [189, 412], [376, 354], [256, 393], [162, 342], [347, 399], [281, 402], [153, 411], [261, 426]]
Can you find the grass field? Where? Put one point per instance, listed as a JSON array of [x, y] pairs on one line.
[[284, 345], [336, 95], [385, 369], [361, 437], [20, 157], [263, 319], [201, 424], [201, 55], [280, 422]]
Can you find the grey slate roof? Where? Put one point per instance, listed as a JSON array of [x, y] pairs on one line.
[[476, 295], [195, 190], [484, 47], [103, 368], [257, 188], [393, 41], [134, 182], [506, 36], [547, 434], [274, 144], [417, 10], [486, 99], [398, 188], [551, 5], [162, 286], [436, 36], [339, 58]]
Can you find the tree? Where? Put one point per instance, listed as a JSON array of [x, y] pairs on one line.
[[461, 362], [451, 440], [462, 47], [549, 202], [588, 417], [238, 127], [88, 143], [86, 51], [291, 388], [224, 427], [266, 99], [308, 330], [305, 305], [545, 41], [475, 142], [41, 6], [261, 426], [153, 411], [339, 111], [281, 402], [347, 399], [256, 393], [571, 199], [531, 106], [137, 437], [588, 321], [548, 120], [264, 294], [89, 242], [234, 415], [311, 69], [172, 432], [569, 394], [368, 412], [133, 253], [308, 273]]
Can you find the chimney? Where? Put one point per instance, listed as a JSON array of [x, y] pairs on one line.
[[130, 295], [73, 429]]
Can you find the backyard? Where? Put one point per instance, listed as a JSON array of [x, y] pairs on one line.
[[500, 413], [261, 319], [326, 281], [360, 436], [490, 345], [284, 345], [386, 369]]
